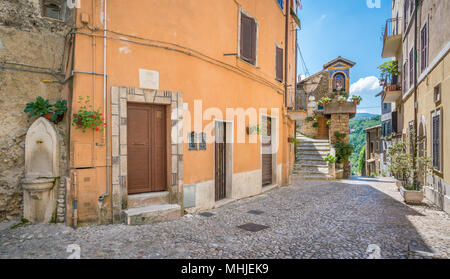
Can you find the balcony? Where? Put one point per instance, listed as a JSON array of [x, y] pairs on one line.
[[299, 111], [392, 38], [391, 94], [347, 107]]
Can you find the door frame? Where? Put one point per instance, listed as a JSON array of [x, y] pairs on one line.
[[120, 97], [228, 157], [274, 138]]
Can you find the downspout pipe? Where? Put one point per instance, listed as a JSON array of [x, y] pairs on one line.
[[415, 92], [286, 50]]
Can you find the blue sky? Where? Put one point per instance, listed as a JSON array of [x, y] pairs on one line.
[[347, 28]]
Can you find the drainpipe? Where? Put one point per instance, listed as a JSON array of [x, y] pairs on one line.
[[415, 91], [75, 201], [286, 50]]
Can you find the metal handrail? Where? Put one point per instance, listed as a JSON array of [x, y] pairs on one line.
[[393, 27]]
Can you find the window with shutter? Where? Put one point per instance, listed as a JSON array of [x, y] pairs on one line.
[[279, 64], [405, 76], [424, 47], [436, 137], [248, 39], [411, 67]]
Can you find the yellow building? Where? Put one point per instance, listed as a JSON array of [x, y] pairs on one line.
[[427, 81], [196, 96]]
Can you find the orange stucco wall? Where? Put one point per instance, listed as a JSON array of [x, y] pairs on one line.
[[185, 41]]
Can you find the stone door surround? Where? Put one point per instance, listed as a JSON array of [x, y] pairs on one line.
[[120, 96]]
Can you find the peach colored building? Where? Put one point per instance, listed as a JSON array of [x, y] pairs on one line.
[[196, 96]]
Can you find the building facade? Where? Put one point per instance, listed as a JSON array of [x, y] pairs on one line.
[[417, 37], [198, 105], [35, 52]]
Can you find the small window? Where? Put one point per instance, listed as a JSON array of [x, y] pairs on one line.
[[248, 39], [405, 76], [411, 67], [279, 64], [52, 11], [436, 139], [202, 143], [192, 141], [424, 48], [437, 93]]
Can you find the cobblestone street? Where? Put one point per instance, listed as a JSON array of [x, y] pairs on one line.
[[309, 219]]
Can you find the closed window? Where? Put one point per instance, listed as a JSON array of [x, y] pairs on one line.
[[52, 11], [411, 67], [405, 76], [437, 93], [405, 12], [248, 39], [436, 139], [279, 64], [424, 48]]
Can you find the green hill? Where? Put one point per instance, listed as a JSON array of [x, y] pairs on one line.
[[358, 136]]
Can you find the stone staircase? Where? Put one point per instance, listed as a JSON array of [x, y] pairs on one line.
[[149, 208], [309, 163]]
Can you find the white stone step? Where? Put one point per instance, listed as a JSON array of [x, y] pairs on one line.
[[312, 147], [151, 214], [147, 199], [311, 177], [312, 157], [301, 168], [313, 152], [312, 163]]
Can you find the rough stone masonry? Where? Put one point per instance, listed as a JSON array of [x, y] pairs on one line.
[[30, 43]]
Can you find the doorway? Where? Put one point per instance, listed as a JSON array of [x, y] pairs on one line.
[[220, 161], [267, 153], [147, 148], [322, 130]]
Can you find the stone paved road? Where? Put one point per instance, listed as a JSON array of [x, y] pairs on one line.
[[312, 219]]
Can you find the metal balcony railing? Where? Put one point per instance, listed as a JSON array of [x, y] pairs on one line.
[[393, 28], [300, 100]]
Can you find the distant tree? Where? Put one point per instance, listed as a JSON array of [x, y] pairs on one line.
[[362, 162]]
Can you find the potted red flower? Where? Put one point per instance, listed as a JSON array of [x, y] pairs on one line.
[[87, 118]]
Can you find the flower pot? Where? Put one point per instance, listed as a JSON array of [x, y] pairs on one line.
[[412, 197], [48, 116]]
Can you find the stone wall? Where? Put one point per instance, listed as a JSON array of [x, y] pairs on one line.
[[31, 51], [339, 123]]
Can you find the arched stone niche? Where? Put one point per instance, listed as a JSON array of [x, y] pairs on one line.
[[41, 150]]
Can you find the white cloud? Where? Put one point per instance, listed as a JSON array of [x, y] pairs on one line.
[[322, 17], [366, 84]]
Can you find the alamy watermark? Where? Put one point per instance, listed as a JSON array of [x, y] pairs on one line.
[[374, 4]]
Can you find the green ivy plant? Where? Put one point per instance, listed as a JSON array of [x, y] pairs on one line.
[[330, 159], [315, 124], [38, 108], [339, 135], [343, 151], [87, 117], [328, 123]]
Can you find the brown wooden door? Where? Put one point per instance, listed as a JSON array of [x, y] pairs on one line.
[[220, 164], [147, 160], [322, 131], [266, 159]]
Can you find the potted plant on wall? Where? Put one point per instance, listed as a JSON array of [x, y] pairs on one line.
[[389, 73], [402, 165], [40, 107], [356, 100], [324, 101], [341, 99], [87, 117], [343, 153], [51, 112]]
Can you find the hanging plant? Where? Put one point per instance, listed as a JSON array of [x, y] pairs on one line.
[[328, 123], [315, 124], [87, 118], [309, 119]]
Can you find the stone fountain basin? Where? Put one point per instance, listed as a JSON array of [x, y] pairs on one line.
[[37, 184]]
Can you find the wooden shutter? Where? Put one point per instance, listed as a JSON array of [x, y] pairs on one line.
[[248, 39], [436, 145], [279, 64]]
